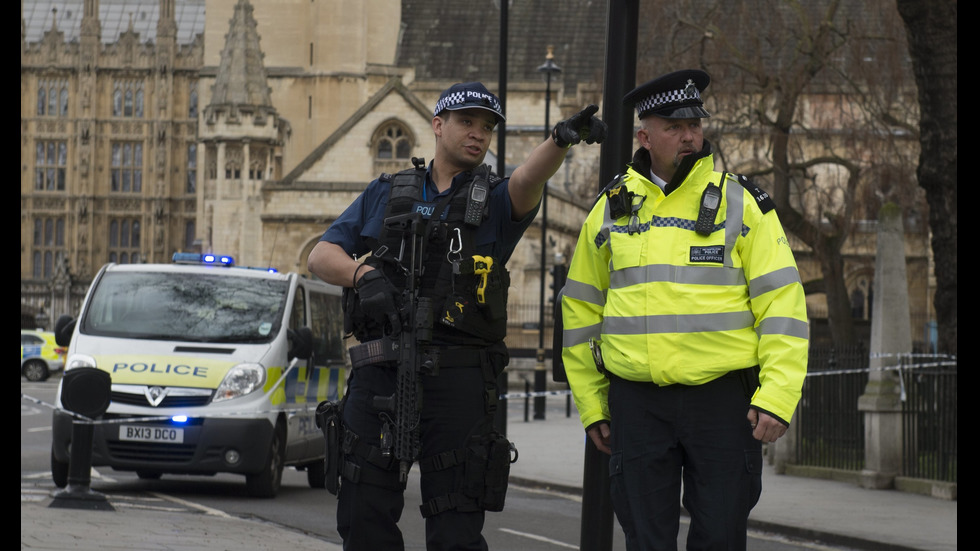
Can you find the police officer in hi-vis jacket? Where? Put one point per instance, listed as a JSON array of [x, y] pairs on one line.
[[685, 329]]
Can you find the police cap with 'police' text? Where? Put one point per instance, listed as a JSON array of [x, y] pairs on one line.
[[469, 95], [675, 95]]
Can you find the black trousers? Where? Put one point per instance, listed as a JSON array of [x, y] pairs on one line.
[[662, 436], [453, 410]]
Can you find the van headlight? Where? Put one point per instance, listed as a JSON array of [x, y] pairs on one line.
[[240, 380], [79, 360]]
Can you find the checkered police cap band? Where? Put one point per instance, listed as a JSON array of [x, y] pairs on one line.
[[467, 96], [688, 94]]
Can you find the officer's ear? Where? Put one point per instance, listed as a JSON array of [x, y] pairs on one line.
[[438, 121], [643, 137]]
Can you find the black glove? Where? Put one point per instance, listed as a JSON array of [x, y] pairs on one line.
[[581, 126], [378, 298]]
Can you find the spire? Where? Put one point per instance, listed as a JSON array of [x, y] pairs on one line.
[[241, 78]]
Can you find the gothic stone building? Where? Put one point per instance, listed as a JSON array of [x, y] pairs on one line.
[[244, 127]]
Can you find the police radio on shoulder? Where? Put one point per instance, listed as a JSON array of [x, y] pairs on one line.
[[479, 191]]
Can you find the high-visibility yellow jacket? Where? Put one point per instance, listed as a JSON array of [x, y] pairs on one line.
[[670, 306]]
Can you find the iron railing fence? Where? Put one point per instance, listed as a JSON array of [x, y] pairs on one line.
[[830, 427], [929, 417]]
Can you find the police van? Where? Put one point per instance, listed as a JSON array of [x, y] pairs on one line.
[[214, 369]]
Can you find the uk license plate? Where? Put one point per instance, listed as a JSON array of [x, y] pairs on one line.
[[137, 433]]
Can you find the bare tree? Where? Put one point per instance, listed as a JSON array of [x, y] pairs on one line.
[[797, 111], [931, 28]]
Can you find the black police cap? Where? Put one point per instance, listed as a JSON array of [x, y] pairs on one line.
[[675, 95], [469, 95]]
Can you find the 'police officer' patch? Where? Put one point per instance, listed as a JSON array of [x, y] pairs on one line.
[[715, 253]]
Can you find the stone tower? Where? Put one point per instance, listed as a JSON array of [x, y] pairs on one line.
[[241, 138]]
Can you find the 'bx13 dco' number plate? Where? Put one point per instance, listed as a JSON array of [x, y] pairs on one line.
[[167, 435]]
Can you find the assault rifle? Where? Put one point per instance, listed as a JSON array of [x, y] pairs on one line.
[[402, 410]]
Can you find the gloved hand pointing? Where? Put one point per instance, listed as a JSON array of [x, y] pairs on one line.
[[583, 125], [378, 299]]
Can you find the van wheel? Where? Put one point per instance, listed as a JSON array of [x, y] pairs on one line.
[[59, 471], [316, 475], [35, 371], [266, 482]]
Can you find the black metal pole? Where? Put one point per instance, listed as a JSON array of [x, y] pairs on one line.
[[500, 416], [540, 374], [620, 77]]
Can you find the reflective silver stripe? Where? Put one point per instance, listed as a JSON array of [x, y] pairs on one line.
[[697, 275], [602, 236], [584, 292], [733, 217], [784, 326], [773, 280], [686, 323], [572, 337]]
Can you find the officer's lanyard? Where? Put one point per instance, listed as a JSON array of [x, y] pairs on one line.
[[425, 188]]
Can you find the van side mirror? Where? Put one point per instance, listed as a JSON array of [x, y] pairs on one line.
[[300, 343], [63, 328]]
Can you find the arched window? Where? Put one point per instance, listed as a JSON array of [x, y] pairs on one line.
[[48, 245], [139, 104], [393, 141], [127, 99], [51, 162], [191, 168], [126, 171], [64, 101], [53, 99], [392, 144], [124, 240], [192, 102], [42, 99]]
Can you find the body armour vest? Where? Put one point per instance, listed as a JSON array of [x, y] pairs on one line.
[[468, 291]]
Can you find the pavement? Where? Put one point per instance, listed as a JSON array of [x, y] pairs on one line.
[[552, 455]]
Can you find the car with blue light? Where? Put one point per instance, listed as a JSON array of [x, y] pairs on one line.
[[215, 368], [40, 355]]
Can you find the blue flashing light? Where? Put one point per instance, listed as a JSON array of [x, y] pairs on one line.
[[179, 418], [195, 258]]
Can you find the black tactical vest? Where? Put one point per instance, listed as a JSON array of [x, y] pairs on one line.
[[468, 291]]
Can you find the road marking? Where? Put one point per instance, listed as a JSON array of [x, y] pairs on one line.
[[539, 538], [552, 493], [193, 505]]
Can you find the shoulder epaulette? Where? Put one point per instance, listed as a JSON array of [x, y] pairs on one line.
[[613, 184], [493, 179], [762, 198]]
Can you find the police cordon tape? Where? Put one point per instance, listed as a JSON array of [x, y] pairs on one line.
[[944, 360], [308, 409]]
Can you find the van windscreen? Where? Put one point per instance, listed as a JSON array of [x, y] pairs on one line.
[[186, 307]]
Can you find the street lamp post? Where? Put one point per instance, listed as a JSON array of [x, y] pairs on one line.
[[549, 68]]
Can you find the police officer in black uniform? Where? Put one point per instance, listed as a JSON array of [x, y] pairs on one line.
[[472, 221]]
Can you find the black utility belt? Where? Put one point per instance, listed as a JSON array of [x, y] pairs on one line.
[[384, 351]]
